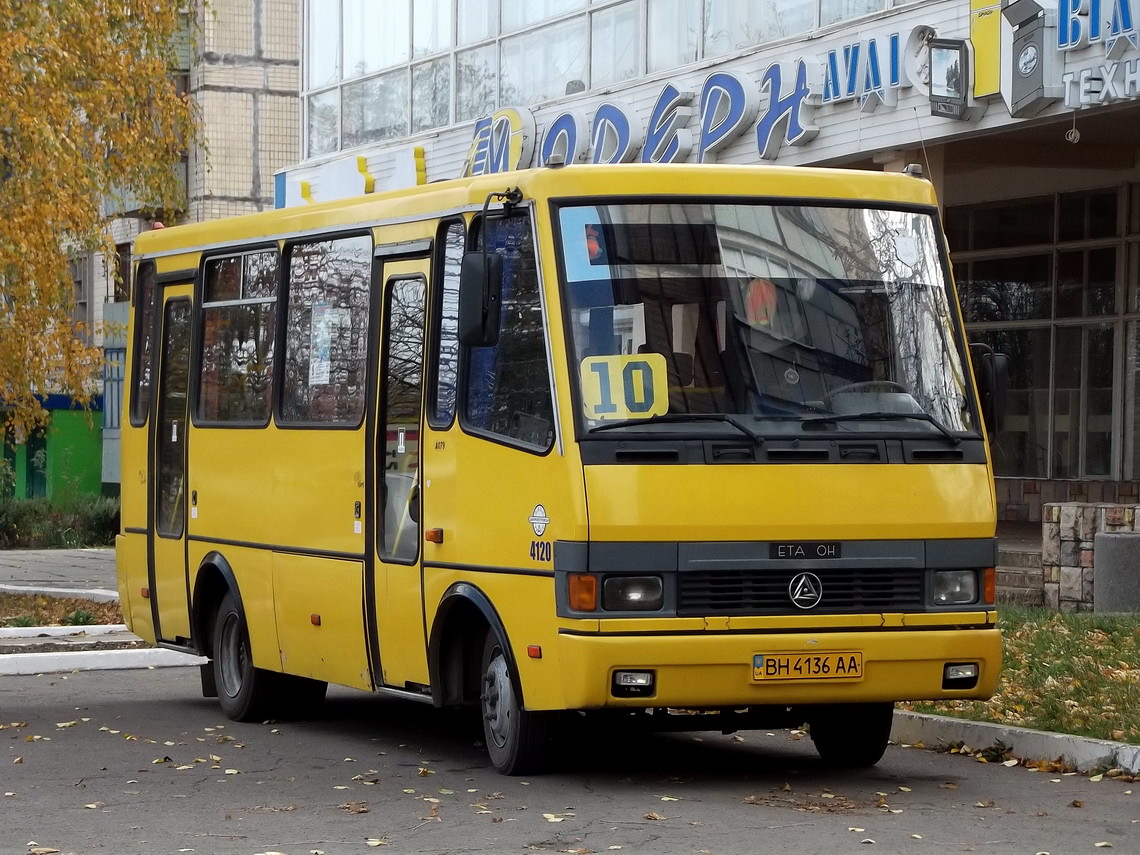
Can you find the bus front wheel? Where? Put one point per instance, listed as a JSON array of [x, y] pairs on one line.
[[244, 692], [518, 740], [851, 735]]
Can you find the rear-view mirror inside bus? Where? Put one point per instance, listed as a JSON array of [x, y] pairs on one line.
[[480, 287]]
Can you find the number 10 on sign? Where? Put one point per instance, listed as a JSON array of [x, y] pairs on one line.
[[633, 386]]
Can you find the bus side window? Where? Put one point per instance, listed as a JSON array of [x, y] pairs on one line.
[[326, 331], [144, 342], [507, 385], [445, 326]]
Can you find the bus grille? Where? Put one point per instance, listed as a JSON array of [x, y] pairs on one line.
[[733, 592]]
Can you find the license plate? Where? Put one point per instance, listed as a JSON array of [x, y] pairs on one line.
[[813, 666]]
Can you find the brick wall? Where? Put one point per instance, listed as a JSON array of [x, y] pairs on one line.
[[1068, 560], [1022, 499]]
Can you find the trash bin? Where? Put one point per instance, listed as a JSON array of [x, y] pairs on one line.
[[1116, 584]]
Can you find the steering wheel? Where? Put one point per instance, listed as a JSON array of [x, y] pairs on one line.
[[870, 386]]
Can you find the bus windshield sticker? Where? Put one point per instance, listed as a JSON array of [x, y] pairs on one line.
[[625, 386]]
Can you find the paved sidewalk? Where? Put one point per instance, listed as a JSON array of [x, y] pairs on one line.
[[56, 570]]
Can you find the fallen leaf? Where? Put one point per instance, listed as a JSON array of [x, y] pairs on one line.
[[949, 785], [378, 841], [17, 759], [349, 760], [354, 807], [669, 799], [1010, 763], [444, 791], [866, 840], [1104, 844], [904, 789], [1096, 778], [63, 724], [410, 791], [341, 787], [855, 829], [423, 771], [654, 816], [553, 818], [1077, 803], [95, 805], [917, 836], [985, 803], [233, 772], [42, 850]]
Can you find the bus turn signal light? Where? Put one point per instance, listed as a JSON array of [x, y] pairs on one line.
[[583, 592], [434, 535], [989, 586]]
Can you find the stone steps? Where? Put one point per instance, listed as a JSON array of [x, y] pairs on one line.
[[1019, 577]]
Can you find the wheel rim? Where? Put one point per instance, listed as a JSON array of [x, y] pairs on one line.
[[233, 657], [498, 700]]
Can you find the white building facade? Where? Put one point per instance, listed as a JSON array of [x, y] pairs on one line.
[[1023, 114]]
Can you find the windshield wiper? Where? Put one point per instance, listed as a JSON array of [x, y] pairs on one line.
[[685, 417], [886, 417]]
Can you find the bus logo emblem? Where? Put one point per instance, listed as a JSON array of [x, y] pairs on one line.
[[805, 590], [539, 520]]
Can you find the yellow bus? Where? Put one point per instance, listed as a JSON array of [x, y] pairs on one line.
[[700, 447]]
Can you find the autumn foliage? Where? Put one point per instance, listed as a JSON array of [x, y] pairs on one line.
[[89, 105]]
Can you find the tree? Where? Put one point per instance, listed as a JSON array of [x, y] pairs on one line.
[[89, 110]]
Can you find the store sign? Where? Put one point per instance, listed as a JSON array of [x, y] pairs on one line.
[[728, 106], [1110, 23], [1088, 22]]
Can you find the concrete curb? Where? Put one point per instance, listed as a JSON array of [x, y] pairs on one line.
[[14, 664], [60, 631], [1081, 753], [98, 595]]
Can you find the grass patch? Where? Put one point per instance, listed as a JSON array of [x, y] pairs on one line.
[[25, 610], [1070, 673]]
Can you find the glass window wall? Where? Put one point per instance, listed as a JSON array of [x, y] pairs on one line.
[[1069, 323], [518, 52]]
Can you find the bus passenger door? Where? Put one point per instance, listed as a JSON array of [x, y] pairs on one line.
[[397, 478], [169, 596]]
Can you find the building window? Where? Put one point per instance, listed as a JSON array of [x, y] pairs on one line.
[[1042, 279], [615, 42]]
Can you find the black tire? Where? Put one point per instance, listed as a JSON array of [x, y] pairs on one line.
[[245, 693], [851, 735], [519, 742]]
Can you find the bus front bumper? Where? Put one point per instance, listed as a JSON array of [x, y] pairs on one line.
[[728, 670]]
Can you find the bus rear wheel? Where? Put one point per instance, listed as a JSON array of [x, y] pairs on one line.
[[851, 735], [244, 692], [518, 740]]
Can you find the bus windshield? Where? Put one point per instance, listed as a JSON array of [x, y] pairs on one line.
[[772, 318]]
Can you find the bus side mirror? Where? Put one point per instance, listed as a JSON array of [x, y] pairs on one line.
[[991, 371], [480, 289]]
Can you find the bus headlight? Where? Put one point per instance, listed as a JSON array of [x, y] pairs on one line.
[[955, 587], [632, 593]]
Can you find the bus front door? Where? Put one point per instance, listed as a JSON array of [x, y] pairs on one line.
[[169, 596], [399, 628]]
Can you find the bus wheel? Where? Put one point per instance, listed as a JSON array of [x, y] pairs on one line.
[[517, 740], [851, 735], [244, 692]]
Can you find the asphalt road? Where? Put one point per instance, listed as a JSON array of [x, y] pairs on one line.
[[124, 762]]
